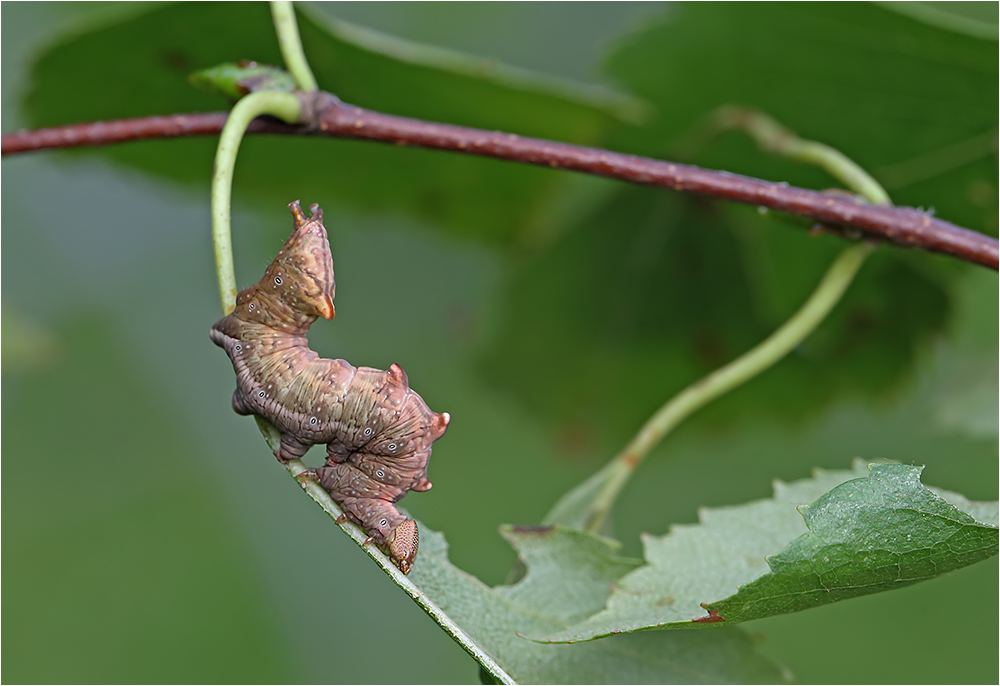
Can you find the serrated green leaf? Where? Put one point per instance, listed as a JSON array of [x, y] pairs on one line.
[[569, 573], [83, 78], [862, 534], [866, 536], [568, 570]]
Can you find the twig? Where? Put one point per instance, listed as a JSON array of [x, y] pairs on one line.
[[899, 225], [119, 131]]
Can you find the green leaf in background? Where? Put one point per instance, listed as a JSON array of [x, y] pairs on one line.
[[509, 446], [631, 291], [124, 561], [889, 91], [568, 570], [651, 292], [962, 395], [80, 79], [25, 344], [870, 533]]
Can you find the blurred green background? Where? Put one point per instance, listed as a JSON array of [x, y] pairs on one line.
[[148, 534]]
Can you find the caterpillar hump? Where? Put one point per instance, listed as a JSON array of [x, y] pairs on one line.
[[377, 430]]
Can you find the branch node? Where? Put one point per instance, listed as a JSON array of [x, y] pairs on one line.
[[314, 105]]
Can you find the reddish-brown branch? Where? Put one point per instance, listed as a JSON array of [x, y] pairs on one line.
[[104, 132], [900, 225]]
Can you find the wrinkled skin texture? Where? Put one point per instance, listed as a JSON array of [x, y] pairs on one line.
[[378, 433]]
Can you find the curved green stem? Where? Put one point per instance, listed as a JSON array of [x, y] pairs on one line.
[[773, 137], [291, 45], [587, 506], [615, 475], [286, 107]]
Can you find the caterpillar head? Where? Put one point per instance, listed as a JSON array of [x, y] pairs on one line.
[[301, 276], [403, 543]]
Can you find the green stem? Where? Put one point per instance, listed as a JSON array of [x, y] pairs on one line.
[[773, 137], [286, 107], [616, 474], [291, 45], [587, 506]]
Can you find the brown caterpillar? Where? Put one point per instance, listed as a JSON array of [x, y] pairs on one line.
[[378, 433]]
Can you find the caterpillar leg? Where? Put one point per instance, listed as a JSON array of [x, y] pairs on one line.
[[290, 449], [336, 453], [371, 505], [307, 475], [311, 475]]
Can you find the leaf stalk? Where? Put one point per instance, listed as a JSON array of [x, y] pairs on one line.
[[587, 506], [836, 280], [284, 106], [290, 44]]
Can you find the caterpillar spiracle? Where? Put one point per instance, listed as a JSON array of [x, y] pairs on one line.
[[377, 431]]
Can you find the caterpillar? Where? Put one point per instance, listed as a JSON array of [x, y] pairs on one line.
[[377, 431]]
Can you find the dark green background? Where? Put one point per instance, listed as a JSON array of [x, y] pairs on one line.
[[150, 537]]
